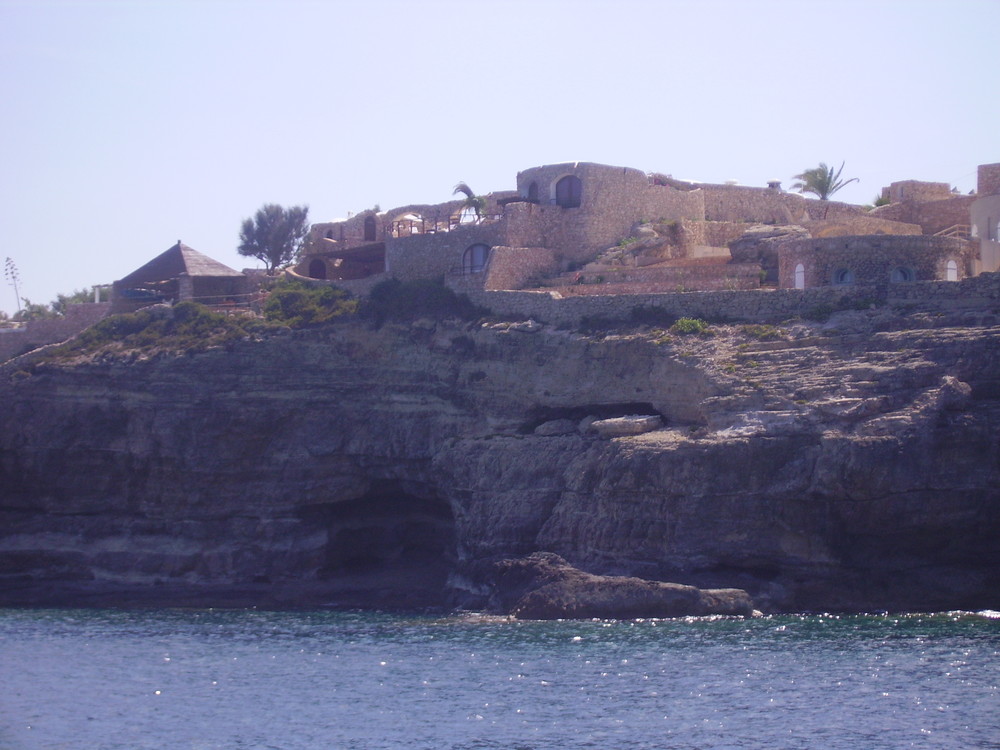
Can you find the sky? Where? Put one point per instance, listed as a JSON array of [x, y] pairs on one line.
[[129, 124]]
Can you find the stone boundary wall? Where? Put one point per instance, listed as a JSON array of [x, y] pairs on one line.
[[653, 280], [36, 333], [767, 205], [980, 292]]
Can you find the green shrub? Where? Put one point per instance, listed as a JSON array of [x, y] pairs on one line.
[[691, 326], [395, 300], [819, 313], [762, 332], [186, 326], [297, 305]]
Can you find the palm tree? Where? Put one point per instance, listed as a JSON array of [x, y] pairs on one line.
[[821, 181], [473, 202]]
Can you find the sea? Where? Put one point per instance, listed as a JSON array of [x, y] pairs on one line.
[[73, 679]]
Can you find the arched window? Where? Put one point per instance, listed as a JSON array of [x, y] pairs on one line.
[[369, 229], [902, 275], [951, 271], [329, 234], [569, 191], [475, 257], [533, 192], [800, 276], [317, 269], [843, 276]]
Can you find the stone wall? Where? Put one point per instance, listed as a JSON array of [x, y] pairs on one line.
[[36, 333], [427, 256], [917, 191], [932, 216], [670, 278], [977, 293], [613, 200], [860, 225], [515, 267], [988, 179], [770, 206], [871, 259]]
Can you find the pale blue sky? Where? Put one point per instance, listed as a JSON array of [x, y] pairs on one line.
[[128, 125]]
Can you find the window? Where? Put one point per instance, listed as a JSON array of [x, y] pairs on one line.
[[902, 275], [369, 229], [533, 192], [475, 257], [329, 234], [951, 271], [317, 269], [800, 276], [569, 191], [843, 276]]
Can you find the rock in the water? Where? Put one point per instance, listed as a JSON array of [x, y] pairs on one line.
[[543, 586]]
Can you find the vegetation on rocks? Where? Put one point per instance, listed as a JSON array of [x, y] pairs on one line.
[[691, 327], [402, 301], [296, 305], [187, 327]]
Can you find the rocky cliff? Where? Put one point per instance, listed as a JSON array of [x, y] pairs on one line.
[[850, 466]]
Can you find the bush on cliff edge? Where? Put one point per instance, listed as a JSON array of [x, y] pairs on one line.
[[187, 326], [296, 305], [402, 301]]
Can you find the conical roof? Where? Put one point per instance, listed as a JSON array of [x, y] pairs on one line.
[[177, 260]]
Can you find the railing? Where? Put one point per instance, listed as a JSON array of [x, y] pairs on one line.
[[960, 231], [411, 227], [232, 304]]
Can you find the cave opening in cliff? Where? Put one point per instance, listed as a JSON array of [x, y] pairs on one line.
[[394, 543]]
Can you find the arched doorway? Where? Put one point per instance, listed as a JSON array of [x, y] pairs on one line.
[[569, 192], [369, 229], [317, 269], [800, 276], [951, 271], [843, 276], [902, 275], [474, 258], [533, 192]]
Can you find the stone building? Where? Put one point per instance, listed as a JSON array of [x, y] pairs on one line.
[[585, 228], [984, 217], [872, 259]]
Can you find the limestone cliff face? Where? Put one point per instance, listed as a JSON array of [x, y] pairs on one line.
[[850, 469]]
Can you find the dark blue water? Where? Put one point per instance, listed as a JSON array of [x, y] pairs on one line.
[[203, 680]]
